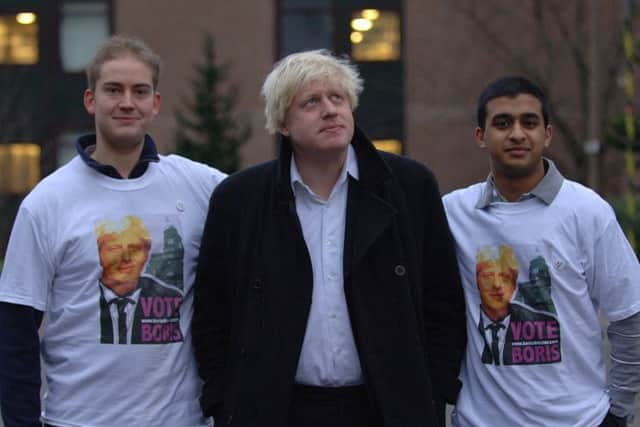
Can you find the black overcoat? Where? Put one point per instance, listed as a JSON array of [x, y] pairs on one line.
[[254, 285]]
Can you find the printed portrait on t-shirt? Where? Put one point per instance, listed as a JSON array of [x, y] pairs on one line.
[[140, 287], [518, 319]]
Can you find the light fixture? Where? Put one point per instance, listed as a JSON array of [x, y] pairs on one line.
[[26, 18], [356, 37], [361, 24], [370, 14]]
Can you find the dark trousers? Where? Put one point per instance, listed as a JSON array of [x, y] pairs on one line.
[[332, 407]]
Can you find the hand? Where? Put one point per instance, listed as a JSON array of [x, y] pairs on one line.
[[613, 421]]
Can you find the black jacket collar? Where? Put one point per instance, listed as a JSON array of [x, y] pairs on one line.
[[372, 168]]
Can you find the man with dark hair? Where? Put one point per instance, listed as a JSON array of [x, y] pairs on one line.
[[579, 262], [100, 284]]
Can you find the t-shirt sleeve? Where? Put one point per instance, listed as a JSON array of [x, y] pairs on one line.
[[615, 275], [28, 268]]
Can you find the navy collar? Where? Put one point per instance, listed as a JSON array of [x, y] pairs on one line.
[[85, 145]]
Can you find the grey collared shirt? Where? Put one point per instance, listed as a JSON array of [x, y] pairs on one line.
[[546, 190]]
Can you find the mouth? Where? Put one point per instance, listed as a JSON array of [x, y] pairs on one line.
[[126, 269], [126, 120], [332, 128], [517, 151]]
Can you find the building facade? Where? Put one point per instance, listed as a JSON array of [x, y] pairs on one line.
[[424, 63]]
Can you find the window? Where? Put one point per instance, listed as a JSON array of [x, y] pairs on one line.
[[375, 35], [19, 39], [19, 167], [390, 145], [370, 32], [84, 26], [305, 25]]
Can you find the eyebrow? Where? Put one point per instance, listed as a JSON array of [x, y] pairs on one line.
[[510, 116], [136, 85]]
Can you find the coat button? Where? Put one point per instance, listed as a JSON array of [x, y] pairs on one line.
[[256, 284], [400, 270]]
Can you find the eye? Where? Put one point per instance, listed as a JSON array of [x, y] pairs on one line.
[[502, 122], [311, 101], [336, 97], [112, 90], [142, 91], [530, 122]]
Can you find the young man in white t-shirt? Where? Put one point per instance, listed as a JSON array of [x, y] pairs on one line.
[[105, 247], [540, 362]]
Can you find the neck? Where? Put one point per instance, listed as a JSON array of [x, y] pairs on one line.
[[511, 188], [123, 160], [320, 173], [496, 315]]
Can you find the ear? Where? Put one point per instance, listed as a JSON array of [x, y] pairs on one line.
[[479, 134], [547, 138], [156, 103], [284, 130], [89, 101]]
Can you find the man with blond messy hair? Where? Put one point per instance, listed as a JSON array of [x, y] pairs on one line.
[[106, 248], [327, 292]]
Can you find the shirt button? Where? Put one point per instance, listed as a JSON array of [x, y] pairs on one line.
[[400, 270], [331, 276]]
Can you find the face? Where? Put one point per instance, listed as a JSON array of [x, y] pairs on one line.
[[515, 136], [319, 120], [124, 103], [122, 256], [496, 285]]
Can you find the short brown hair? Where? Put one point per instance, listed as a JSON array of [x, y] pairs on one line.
[[122, 45]]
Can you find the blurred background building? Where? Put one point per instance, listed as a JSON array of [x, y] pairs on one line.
[[424, 63]]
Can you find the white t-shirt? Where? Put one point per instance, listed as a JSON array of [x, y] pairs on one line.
[[572, 259], [148, 377]]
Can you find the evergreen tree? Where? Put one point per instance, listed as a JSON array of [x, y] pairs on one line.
[[207, 131]]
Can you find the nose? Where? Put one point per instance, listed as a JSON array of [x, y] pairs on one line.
[[517, 133], [127, 100], [328, 108]]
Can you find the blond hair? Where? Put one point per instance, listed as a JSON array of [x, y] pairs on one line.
[[505, 260], [130, 225], [117, 47], [299, 69]]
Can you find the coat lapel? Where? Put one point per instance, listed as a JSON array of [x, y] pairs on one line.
[[368, 216]]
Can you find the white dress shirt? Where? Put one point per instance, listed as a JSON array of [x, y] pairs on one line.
[[329, 356]]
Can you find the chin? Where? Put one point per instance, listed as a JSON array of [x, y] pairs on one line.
[[127, 140]]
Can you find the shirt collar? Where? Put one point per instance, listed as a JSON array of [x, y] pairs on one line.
[[86, 145], [487, 322], [109, 295], [350, 168], [546, 190]]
